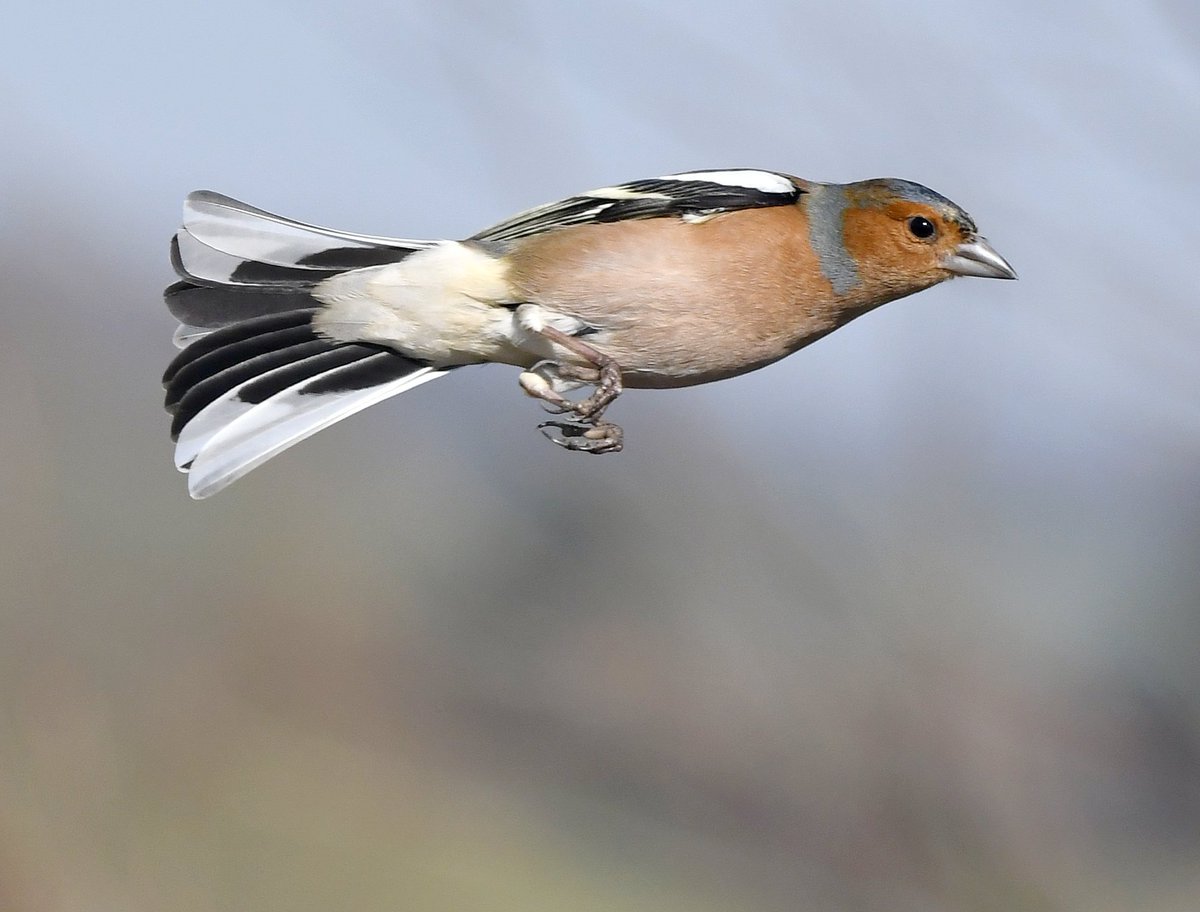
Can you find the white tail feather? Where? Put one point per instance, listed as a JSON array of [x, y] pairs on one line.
[[185, 335], [244, 231], [270, 427]]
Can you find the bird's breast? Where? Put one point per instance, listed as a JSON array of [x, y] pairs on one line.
[[678, 302]]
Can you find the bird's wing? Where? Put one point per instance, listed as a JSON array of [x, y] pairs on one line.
[[694, 194]]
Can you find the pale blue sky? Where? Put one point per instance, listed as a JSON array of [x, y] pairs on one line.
[[1069, 131]]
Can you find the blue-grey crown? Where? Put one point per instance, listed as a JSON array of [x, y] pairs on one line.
[[919, 193]]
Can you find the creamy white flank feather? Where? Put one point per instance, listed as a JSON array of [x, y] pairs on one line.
[[439, 305]]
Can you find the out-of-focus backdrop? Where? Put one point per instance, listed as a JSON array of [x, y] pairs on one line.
[[910, 621]]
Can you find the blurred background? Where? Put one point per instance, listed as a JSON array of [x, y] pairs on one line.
[[910, 621]]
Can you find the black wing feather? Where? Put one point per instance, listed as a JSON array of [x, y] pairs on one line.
[[679, 195]]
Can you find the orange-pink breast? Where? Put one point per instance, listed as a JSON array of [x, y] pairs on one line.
[[677, 302]]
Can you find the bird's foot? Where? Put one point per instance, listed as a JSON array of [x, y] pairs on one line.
[[584, 430], [548, 380], [608, 387], [590, 437]]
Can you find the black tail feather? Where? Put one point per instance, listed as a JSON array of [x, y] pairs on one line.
[[212, 306], [246, 330], [219, 371], [263, 355]]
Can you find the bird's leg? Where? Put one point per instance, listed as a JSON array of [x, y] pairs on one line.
[[589, 435], [546, 381], [605, 373]]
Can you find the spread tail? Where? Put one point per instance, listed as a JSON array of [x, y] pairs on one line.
[[255, 377]]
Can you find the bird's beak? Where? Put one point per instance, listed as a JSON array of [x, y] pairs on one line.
[[975, 257]]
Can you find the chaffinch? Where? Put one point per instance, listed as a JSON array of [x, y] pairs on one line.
[[665, 282]]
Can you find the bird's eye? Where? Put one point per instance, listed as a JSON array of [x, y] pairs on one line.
[[921, 227]]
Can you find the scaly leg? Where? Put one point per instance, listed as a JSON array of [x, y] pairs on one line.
[[590, 433], [606, 373]]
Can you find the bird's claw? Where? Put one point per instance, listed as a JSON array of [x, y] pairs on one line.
[[593, 437], [582, 428], [608, 388]]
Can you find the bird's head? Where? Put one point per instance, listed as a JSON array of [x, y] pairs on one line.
[[906, 237]]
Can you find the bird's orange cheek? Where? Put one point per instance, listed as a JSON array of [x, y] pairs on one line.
[[885, 253]]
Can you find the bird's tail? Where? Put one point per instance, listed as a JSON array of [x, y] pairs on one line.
[[255, 377]]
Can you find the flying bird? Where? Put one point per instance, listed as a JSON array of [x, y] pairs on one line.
[[665, 282]]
